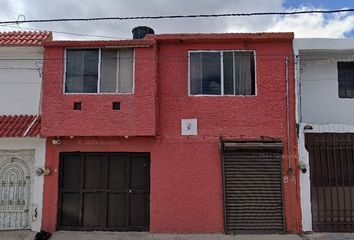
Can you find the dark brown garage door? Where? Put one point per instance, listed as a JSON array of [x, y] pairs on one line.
[[104, 191], [253, 187], [332, 181]]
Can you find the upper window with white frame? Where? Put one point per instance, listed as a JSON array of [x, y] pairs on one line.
[[222, 73], [100, 70]]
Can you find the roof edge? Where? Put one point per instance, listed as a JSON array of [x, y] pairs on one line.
[[323, 44], [221, 37], [101, 43]]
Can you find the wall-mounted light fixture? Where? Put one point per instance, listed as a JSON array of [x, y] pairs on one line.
[[43, 171], [303, 167], [56, 141], [308, 127]]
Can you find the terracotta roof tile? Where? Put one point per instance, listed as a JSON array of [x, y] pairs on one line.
[[19, 126], [24, 38]]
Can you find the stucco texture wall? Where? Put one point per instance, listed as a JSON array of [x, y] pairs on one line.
[[185, 180], [186, 174], [235, 117], [136, 116]]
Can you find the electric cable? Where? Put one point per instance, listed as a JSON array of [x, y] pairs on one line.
[[179, 16]]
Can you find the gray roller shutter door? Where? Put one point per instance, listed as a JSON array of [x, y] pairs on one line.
[[252, 179]]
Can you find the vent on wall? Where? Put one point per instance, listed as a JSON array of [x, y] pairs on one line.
[[116, 105], [77, 106]]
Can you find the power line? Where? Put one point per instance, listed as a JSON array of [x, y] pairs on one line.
[[178, 16]]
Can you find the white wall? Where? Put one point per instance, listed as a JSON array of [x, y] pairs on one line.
[[317, 80], [38, 145], [320, 102], [305, 187], [20, 81]]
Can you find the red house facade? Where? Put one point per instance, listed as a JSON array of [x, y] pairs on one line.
[[184, 133]]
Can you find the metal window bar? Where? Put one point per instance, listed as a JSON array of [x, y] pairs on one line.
[[222, 73]]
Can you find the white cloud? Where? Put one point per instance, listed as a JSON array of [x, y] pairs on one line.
[[314, 25], [42, 9]]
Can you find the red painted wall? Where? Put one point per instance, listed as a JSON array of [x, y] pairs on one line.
[[186, 174], [137, 115], [235, 117], [185, 194]]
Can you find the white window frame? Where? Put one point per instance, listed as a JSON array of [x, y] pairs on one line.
[[99, 72], [222, 73]]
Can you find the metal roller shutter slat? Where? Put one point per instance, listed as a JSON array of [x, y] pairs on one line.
[[253, 190]]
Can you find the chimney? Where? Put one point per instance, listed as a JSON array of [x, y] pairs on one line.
[[141, 31]]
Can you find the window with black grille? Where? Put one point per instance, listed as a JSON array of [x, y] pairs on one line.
[[345, 79]]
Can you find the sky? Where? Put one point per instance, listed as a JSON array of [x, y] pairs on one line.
[[311, 25]]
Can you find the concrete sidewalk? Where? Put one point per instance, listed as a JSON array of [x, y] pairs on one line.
[[149, 236], [61, 235], [17, 235], [329, 236]]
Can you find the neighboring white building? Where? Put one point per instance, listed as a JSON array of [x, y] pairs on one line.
[[325, 117], [22, 151]]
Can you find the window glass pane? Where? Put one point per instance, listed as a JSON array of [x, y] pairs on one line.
[[238, 73], [126, 60], [244, 73], [195, 73], [90, 71], [108, 82], [211, 73], [81, 71], [228, 73], [74, 71], [345, 79]]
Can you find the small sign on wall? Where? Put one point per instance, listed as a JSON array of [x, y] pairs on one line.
[[189, 127]]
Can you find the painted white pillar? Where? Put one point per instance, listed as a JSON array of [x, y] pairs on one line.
[[305, 184]]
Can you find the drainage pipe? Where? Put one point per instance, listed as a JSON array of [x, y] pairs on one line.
[[290, 170]]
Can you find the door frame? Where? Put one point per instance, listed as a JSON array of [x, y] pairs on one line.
[[61, 157]]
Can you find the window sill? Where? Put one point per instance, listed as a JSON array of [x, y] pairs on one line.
[[206, 95], [109, 94]]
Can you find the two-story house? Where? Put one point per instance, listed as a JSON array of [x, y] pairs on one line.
[[191, 133], [325, 92], [22, 152]]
